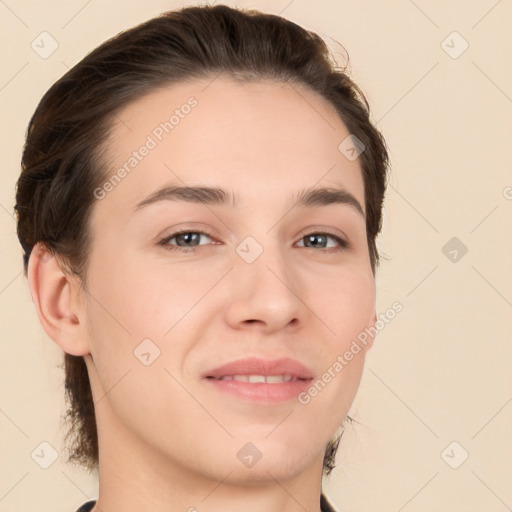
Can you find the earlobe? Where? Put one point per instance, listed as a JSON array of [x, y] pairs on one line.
[[52, 294]]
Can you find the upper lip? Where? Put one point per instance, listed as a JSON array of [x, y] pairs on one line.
[[258, 366]]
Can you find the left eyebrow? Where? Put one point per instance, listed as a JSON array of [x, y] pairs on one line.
[[326, 196], [307, 198]]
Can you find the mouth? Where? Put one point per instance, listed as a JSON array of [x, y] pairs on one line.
[[257, 368], [259, 389], [255, 379], [260, 381]]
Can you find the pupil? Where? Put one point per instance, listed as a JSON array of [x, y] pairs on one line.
[[312, 238], [187, 237]]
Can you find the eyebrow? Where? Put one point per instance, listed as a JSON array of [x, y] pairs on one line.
[[217, 196]]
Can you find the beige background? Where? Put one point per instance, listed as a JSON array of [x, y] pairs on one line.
[[440, 371]]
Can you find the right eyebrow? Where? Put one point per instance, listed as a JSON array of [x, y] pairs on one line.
[[206, 195]]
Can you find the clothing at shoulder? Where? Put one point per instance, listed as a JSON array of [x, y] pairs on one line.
[[86, 507], [325, 506]]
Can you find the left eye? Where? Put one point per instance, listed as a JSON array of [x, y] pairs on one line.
[[321, 240]]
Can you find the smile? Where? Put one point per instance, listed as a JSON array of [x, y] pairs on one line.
[[253, 379]]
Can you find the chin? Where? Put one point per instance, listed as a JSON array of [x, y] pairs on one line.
[[281, 464], [263, 474]]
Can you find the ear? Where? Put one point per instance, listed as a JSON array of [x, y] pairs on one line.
[[55, 295]]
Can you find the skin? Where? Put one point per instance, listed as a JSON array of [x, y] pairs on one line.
[[167, 440]]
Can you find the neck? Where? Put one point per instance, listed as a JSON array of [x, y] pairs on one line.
[[134, 476]]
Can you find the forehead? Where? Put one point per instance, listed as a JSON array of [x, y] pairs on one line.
[[262, 139]]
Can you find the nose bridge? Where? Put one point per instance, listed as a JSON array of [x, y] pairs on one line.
[[264, 285]]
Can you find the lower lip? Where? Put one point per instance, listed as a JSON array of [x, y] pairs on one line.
[[262, 392]]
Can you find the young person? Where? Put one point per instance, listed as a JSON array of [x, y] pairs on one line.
[[198, 207]]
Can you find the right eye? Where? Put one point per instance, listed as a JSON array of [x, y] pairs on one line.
[[183, 240]]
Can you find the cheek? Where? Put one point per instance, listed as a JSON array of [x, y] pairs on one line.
[[136, 298], [345, 301], [129, 311], [135, 309]]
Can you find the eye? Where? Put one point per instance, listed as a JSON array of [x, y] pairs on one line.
[[187, 241], [321, 240], [183, 240]]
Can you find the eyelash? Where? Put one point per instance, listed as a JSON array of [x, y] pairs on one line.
[[343, 244]]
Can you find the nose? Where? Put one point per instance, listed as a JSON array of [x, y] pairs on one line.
[[266, 294]]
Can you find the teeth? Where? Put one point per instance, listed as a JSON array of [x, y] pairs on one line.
[[254, 379], [279, 378]]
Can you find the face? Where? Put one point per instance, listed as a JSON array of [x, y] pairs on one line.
[[182, 283]]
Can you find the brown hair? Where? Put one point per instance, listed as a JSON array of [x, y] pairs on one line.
[[62, 160]]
